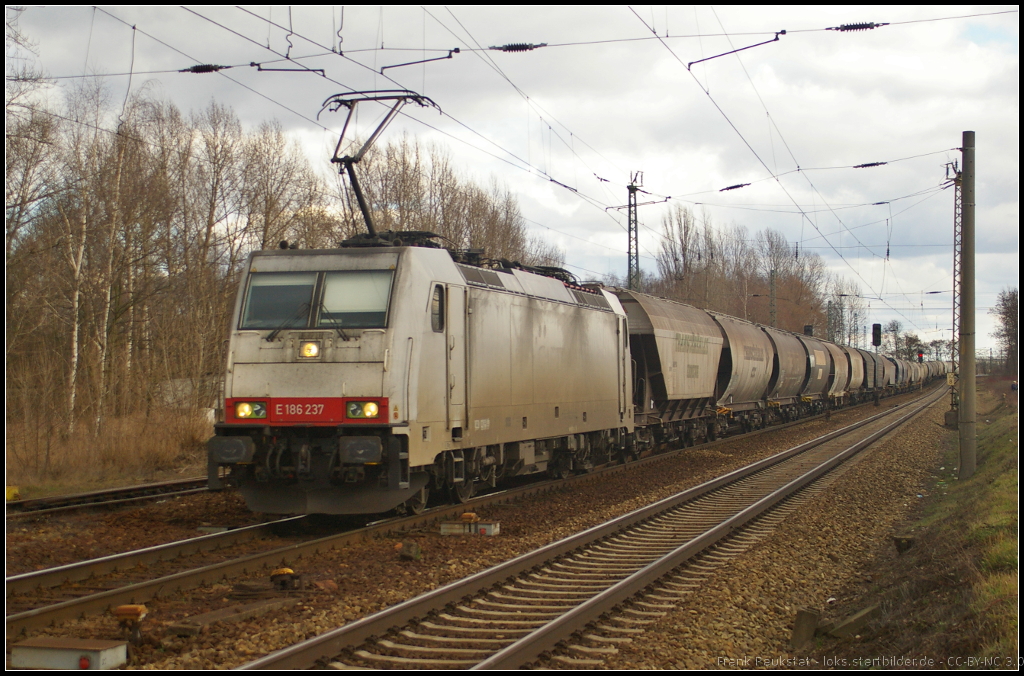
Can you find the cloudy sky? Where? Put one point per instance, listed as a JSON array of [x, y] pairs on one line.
[[565, 126]]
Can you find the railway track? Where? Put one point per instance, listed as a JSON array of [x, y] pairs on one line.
[[112, 497], [43, 597], [508, 616]]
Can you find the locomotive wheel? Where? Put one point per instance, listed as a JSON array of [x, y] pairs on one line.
[[561, 468], [417, 503], [462, 492]]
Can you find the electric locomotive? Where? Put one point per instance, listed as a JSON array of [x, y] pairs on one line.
[[360, 379]]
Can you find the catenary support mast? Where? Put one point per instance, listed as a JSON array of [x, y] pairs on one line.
[[968, 414]]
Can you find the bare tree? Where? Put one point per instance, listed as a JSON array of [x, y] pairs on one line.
[[409, 187], [845, 309], [892, 338], [1007, 315], [722, 269]]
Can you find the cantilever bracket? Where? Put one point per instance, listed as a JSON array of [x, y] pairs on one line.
[[775, 39]]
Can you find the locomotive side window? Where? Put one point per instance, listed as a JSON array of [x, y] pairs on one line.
[[437, 309], [356, 299], [278, 300]]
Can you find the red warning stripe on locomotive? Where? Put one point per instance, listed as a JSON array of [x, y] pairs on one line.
[[306, 410]]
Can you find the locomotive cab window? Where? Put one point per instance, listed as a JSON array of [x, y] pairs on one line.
[[437, 309], [277, 300], [355, 299]]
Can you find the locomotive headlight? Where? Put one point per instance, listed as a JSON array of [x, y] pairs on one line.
[[363, 409], [250, 409], [309, 350]]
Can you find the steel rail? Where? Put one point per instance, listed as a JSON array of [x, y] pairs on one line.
[[83, 570], [307, 653], [103, 498]]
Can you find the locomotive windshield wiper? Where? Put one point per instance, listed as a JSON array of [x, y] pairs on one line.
[[303, 309], [326, 314]]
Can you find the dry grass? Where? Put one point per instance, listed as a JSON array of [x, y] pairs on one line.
[[127, 450]]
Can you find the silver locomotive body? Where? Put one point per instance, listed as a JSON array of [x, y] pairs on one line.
[[359, 379]]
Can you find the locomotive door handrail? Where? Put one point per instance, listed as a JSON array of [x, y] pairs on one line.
[[623, 368], [455, 337]]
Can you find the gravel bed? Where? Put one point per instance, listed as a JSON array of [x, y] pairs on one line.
[[743, 616], [363, 578]]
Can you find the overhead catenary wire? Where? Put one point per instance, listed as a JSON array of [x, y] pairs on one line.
[[541, 172], [313, 42], [317, 71], [779, 132], [526, 165], [844, 227], [487, 59], [224, 75], [278, 42], [758, 157], [397, 83], [684, 36]]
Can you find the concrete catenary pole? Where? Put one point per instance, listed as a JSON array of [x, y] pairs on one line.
[[968, 409]]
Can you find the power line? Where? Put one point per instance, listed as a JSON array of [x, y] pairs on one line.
[[322, 74], [776, 126], [562, 232], [804, 169], [901, 23]]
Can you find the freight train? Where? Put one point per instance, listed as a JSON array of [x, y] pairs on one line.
[[366, 378]]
